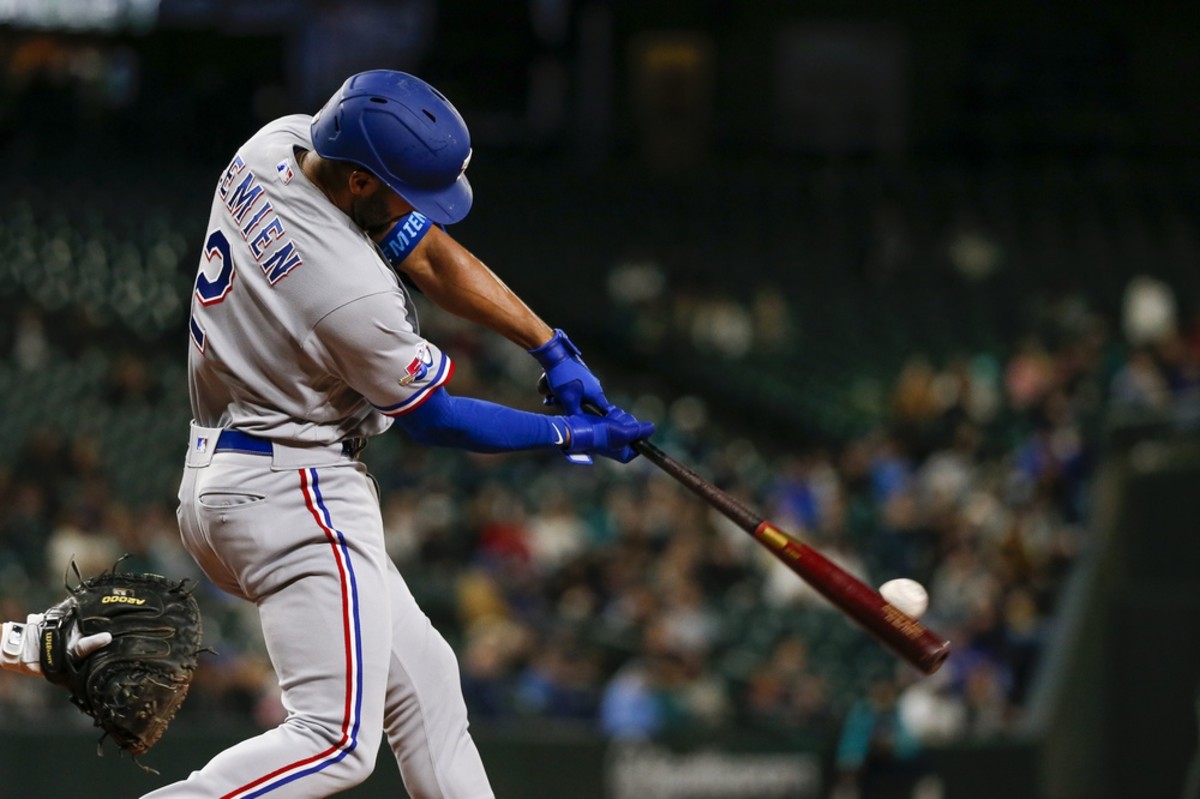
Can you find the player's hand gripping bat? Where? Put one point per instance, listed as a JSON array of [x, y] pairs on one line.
[[906, 636]]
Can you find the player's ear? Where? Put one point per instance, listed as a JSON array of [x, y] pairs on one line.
[[363, 183]]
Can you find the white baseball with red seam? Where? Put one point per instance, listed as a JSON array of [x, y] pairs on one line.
[[907, 596]]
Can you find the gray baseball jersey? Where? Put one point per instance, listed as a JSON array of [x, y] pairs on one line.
[[303, 335], [300, 331]]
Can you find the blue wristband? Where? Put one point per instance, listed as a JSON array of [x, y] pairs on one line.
[[404, 237]]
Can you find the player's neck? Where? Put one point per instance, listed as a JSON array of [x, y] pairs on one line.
[[318, 172]]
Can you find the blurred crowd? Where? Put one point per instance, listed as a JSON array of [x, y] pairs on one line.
[[608, 596]]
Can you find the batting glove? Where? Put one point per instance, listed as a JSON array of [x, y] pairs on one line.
[[568, 379], [608, 436], [20, 646]]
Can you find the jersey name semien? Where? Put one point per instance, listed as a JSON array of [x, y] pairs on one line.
[[263, 232]]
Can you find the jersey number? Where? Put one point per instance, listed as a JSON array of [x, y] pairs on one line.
[[210, 291]]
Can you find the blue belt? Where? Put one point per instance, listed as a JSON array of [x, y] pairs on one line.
[[237, 441]]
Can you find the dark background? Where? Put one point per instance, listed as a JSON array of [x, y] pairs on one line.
[[972, 80], [743, 147]]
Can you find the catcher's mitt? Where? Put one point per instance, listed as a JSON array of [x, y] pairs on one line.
[[132, 687]]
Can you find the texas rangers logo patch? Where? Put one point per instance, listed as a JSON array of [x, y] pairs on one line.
[[419, 367]]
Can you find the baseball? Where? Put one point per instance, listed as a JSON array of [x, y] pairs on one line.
[[907, 596]]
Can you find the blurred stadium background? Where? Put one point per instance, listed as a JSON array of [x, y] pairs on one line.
[[919, 282]]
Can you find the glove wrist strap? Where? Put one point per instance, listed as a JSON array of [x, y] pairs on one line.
[[52, 648], [572, 445], [558, 349]]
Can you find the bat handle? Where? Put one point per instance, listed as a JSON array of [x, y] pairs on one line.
[[642, 446], [593, 408]]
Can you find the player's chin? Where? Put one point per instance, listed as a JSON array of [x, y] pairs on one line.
[[377, 232], [373, 220]]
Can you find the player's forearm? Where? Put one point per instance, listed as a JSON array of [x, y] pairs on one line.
[[458, 282], [480, 426]]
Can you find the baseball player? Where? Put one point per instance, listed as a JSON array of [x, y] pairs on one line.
[[303, 345]]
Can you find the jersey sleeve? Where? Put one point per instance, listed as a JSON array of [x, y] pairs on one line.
[[371, 345]]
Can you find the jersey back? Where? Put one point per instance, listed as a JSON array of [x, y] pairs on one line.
[[300, 331]]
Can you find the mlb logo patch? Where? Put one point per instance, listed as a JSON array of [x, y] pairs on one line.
[[285, 171], [201, 444]]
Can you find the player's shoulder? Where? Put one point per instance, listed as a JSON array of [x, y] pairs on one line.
[[293, 126], [335, 262], [278, 137]]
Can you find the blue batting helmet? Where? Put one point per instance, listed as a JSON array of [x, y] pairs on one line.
[[406, 133]]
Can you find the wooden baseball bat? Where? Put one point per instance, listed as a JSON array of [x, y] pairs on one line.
[[903, 634], [906, 636]]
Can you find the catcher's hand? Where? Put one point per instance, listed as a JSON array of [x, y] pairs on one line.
[[19, 649], [133, 684]]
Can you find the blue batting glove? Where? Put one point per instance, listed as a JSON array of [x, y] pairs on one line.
[[568, 380], [608, 436]]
